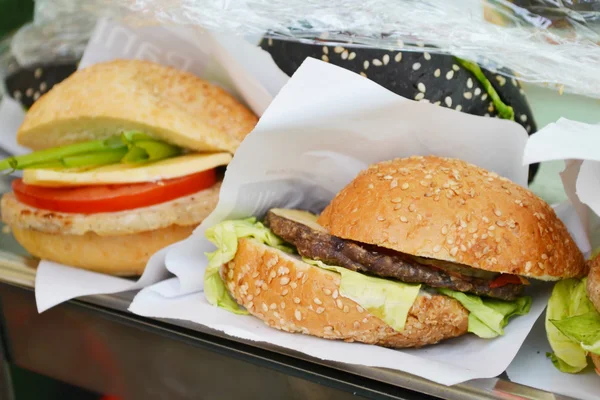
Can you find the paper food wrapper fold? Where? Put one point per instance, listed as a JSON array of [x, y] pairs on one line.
[[248, 73], [577, 144], [325, 126]]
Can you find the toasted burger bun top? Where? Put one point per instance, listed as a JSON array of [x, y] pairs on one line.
[[451, 210], [593, 282], [107, 98]]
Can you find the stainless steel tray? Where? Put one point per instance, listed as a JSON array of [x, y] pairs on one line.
[[17, 272]]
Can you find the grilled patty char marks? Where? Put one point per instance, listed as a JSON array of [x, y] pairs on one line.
[[317, 244]]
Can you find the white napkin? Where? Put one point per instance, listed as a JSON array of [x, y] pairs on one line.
[[323, 127], [578, 144], [209, 56]]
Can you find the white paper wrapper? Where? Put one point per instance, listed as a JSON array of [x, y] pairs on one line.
[[577, 143], [11, 117], [249, 73], [325, 126]]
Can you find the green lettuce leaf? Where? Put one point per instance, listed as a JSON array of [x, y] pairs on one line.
[[583, 329], [225, 237], [488, 317], [568, 299], [388, 300]]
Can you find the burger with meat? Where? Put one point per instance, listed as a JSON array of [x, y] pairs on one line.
[[413, 251], [127, 158]]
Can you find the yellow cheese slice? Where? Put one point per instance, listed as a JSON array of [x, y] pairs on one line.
[[126, 173]]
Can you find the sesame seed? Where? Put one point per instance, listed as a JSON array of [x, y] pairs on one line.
[[498, 213], [363, 74], [298, 315], [416, 66], [338, 49], [284, 281], [29, 92], [448, 101], [327, 291], [421, 87], [250, 305], [345, 55], [491, 228], [386, 59], [470, 83], [328, 328], [544, 256], [380, 218], [463, 248], [449, 74], [455, 67], [43, 86], [352, 56], [397, 200], [527, 265], [523, 117], [366, 64], [325, 50], [377, 62], [484, 236], [403, 219], [339, 304], [325, 58], [420, 44], [437, 248], [356, 324], [335, 294], [299, 274], [485, 219], [273, 306], [405, 186], [500, 223], [346, 309], [388, 177], [420, 96], [317, 301], [264, 307], [477, 91], [37, 73], [393, 183], [398, 57], [427, 56], [468, 95], [297, 300], [453, 251], [444, 230], [501, 80], [282, 305], [484, 97], [294, 285], [257, 292], [437, 103], [459, 108], [359, 309], [528, 128], [437, 73], [320, 310], [412, 208]]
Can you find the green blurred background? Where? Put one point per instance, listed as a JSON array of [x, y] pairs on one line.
[[13, 14]]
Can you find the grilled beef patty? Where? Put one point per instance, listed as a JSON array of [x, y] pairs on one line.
[[317, 244]]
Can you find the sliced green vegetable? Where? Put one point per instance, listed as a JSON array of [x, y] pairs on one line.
[[388, 300], [225, 237], [155, 151], [95, 159], [488, 317], [132, 137], [568, 299], [561, 365], [58, 153], [504, 111]]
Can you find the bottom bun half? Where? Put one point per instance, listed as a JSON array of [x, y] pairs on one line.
[[123, 255], [291, 295]]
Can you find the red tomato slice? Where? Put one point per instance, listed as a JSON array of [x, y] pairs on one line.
[[507, 279], [111, 198]]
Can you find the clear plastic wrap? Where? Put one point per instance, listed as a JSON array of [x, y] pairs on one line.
[[550, 42]]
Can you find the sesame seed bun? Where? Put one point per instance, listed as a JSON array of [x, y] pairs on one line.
[[291, 295], [593, 282], [108, 98], [450, 210], [123, 255]]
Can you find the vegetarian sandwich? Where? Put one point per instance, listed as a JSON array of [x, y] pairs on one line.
[[126, 161], [413, 251]]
